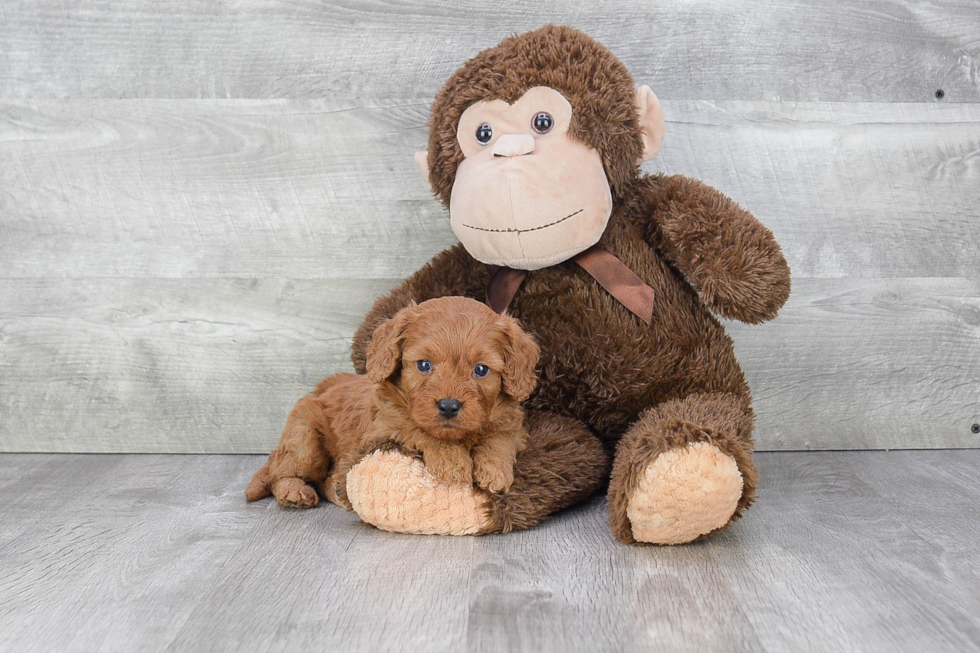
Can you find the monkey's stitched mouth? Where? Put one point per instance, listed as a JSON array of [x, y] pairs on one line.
[[524, 231]]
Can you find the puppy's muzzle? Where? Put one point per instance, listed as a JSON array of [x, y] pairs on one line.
[[448, 408]]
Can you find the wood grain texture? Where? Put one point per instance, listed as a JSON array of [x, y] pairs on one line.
[[161, 365], [176, 274], [327, 189], [197, 204], [867, 364], [884, 50], [861, 551], [134, 188]]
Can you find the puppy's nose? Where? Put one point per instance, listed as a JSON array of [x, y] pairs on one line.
[[448, 407]]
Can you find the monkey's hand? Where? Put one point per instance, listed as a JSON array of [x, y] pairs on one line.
[[395, 492], [729, 257]]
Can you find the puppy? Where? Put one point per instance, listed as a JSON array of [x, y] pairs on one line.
[[445, 378]]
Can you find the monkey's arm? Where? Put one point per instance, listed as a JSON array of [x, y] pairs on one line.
[[729, 257], [450, 272]]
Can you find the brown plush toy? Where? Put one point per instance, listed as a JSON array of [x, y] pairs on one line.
[[535, 148]]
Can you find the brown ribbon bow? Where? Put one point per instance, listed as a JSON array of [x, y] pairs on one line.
[[611, 273]]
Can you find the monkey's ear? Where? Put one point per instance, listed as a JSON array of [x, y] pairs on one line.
[[651, 122], [422, 161]]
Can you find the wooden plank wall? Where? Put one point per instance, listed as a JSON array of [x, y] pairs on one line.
[[198, 202]]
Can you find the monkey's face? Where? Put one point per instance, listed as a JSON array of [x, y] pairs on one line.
[[527, 195]]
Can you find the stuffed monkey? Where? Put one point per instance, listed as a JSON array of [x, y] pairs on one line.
[[534, 148]]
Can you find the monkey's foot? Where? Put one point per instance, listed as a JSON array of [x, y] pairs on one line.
[[395, 492], [684, 493]]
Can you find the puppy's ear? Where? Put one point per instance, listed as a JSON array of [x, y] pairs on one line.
[[384, 354], [520, 360]]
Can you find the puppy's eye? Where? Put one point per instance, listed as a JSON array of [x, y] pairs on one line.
[[481, 370], [424, 366], [484, 134]]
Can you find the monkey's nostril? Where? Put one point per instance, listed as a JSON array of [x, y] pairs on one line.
[[448, 407]]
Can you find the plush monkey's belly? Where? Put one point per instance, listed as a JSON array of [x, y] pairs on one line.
[[604, 365]]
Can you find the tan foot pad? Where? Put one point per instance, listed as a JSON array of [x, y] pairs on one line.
[[683, 494], [396, 493]]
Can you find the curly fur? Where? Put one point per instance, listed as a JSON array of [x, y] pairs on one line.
[[348, 415]]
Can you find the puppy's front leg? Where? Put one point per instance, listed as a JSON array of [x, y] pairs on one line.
[[493, 461], [448, 462]]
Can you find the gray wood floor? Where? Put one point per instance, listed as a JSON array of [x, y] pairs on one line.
[[856, 551]]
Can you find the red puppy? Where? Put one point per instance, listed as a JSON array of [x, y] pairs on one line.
[[445, 378]]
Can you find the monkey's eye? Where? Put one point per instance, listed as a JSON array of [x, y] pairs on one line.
[[424, 366], [484, 134], [543, 122], [481, 370]]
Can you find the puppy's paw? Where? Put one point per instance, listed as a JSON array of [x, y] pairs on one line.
[[293, 492], [455, 468], [493, 479]]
